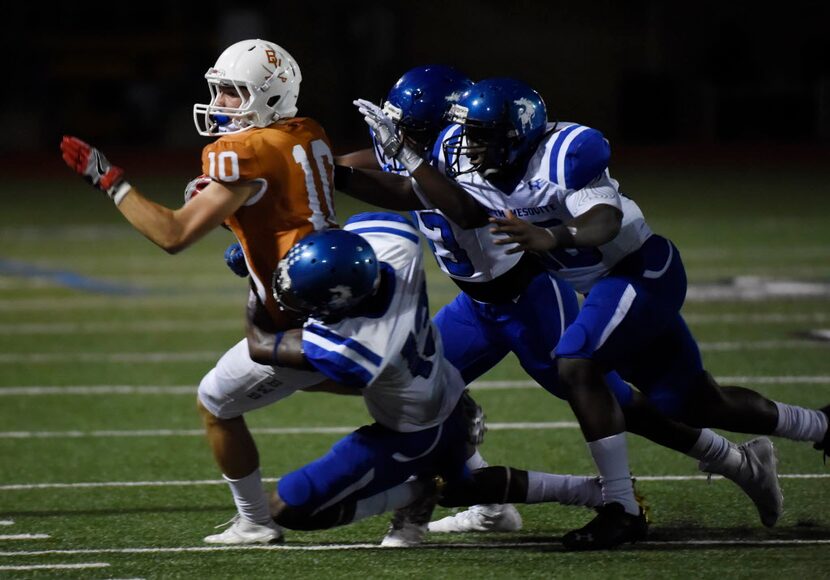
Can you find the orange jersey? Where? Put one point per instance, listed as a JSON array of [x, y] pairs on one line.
[[293, 163]]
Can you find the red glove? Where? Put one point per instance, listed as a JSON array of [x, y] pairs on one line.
[[91, 164]]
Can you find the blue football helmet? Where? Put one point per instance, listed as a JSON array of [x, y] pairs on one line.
[[420, 99], [503, 120], [325, 275]]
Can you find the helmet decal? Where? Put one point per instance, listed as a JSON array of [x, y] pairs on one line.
[[527, 109]]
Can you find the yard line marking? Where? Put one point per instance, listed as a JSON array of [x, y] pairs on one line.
[[198, 356], [100, 390], [166, 325], [755, 380], [113, 357], [6, 522], [200, 482], [377, 546], [80, 566], [758, 345], [483, 385], [74, 434], [24, 537], [764, 318], [189, 299], [139, 326]]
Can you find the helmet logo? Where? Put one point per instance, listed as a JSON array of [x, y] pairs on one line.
[[284, 277], [454, 97], [458, 114], [527, 110], [272, 57], [341, 296]]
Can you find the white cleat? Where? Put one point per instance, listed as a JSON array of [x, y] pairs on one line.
[[757, 476], [409, 524], [480, 518], [404, 535], [242, 531]]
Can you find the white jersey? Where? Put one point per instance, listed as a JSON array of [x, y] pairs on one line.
[[566, 177], [393, 352], [466, 255]]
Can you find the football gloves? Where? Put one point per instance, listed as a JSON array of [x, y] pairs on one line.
[[387, 135], [90, 163], [235, 259]]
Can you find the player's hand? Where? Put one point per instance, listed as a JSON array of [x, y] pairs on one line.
[[195, 186], [526, 236], [383, 127], [89, 163], [235, 259], [387, 135]]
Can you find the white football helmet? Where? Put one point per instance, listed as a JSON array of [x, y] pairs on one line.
[[265, 76]]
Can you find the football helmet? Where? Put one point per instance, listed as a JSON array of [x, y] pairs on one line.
[[263, 74], [419, 100], [502, 120], [325, 275]]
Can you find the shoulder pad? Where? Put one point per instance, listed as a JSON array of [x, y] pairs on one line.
[[578, 155]]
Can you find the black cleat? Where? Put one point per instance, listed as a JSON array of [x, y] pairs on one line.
[[824, 444], [611, 527]]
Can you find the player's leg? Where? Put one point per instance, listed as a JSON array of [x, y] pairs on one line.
[[618, 321], [746, 411], [671, 381], [235, 386], [472, 344], [368, 473], [509, 484]]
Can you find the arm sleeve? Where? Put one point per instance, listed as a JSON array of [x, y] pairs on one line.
[[343, 360]]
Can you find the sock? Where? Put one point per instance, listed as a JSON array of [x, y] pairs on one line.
[[476, 461], [611, 457], [565, 489], [800, 424], [710, 447], [397, 497], [249, 497], [716, 453]]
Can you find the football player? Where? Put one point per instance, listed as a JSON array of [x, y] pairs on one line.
[[506, 303], [362, 294], [268, 178], [513, 164], [418, 102]]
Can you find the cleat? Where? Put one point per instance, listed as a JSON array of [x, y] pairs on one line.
[[824, 444], [611, 527], [242, 531], [757, 476], [480, 518], [409, 524]]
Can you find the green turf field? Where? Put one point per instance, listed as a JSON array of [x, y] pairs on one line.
[[103, 338]]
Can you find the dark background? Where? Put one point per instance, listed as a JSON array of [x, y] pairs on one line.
[[643, 72]]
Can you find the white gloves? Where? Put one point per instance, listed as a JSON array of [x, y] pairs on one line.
[[387, 135]]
